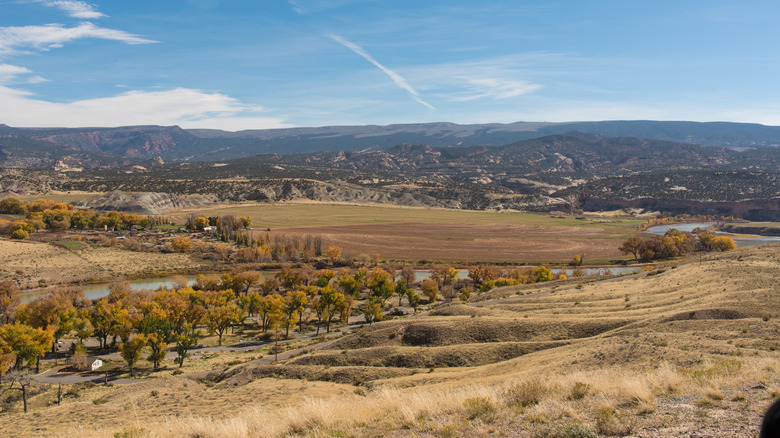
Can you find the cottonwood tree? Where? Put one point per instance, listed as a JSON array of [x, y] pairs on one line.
[[221, 315], [271, 308], [327, 304], [381, 285], [242, 281], [374, 310], [401, 289], [131, 351], [184, 343], [413, 298], [430, 288], [294, 303], [27, 344], [52, 311], [9, 300], [334, 254]]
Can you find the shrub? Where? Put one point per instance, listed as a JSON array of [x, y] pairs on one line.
[[19, 234], [579, 391], [610, 422], [526, 393], [480, 407], [574, 431]]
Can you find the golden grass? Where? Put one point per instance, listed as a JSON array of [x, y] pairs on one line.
[[693, 353]]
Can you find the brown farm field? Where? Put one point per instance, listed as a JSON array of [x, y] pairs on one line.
[[435, 234]]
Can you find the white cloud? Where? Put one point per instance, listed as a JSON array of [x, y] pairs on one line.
[[181, 106], [14, 38], [9, 72], [400, 81], [76, 9]]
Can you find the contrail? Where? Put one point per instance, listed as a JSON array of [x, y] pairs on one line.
[[400, 81]]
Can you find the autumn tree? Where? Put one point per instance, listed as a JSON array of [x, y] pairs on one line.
[[381, 285], [334, 254], [242, 281], [401, 289], [222, 312], [200, 222], [271, 309], [181, 244], [327, 304], [409, 274], [27, 344], [413, 298], [294, 304], [373, 310], [55, 311], [131, 351], [430, 288], [184, 343], [349, 284], [9, 299], [245, 221], [542, 273]]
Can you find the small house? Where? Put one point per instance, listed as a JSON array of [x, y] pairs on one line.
[[94, 363], [211, 229]]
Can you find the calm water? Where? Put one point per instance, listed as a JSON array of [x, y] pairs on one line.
[[99, 290], [739, 239]]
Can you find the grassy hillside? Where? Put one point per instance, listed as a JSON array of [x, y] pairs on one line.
[[689, 348]]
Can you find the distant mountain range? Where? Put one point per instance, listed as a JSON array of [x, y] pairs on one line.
[[44, 147]]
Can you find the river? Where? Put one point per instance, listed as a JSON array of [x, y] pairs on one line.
[[739, 239]]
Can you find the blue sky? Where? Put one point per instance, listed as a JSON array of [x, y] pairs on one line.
[[244, 64]]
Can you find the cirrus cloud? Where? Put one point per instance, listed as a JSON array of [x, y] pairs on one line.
[[16, 39], [76, 9]]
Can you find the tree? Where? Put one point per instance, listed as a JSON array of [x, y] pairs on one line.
[[200, 223], [242, 281], [79, 358], [374, 310], [380, 285], [181, 244], [24, 379], [344, 307], [131, 351], [11, 206], [542, 273], [54, 311], [222, 312], [723, 243], [409, 274], [327, 304], [26, 343], [159, 345], [184, 343], [245, 221], [413, 298], [349, 284], [9, 299], [271, 309], [430, 288], [334, 254], [631, 246], [294, 303], [7, 357], [401, 289]]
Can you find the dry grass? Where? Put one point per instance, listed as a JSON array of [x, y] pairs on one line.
[[693, 353]]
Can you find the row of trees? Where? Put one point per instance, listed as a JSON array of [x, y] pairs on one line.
[[44, 214], [675, 243]]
